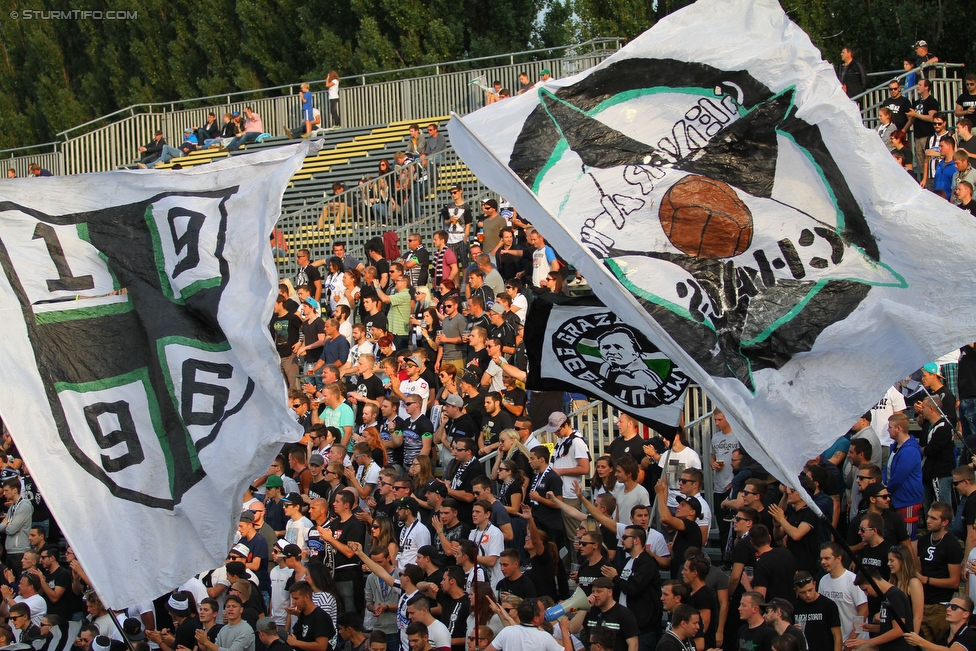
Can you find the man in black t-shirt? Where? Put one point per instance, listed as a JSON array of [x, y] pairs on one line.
[[685, 622], [514, 582], [964, 479], [822, 617], [342, 530], [686, 531], [920, 118], [957, 616], [374, 316], [455, 605], [966, 102], [895, 605], [940, 562], [546, 513], [312, 624], [308, 275], [754, 634], [448, 529], [605, 611], [592, 560], [898, 104], [702, 598], [628, 441], [56, 586], [874, 554], [774, 568], [285, 327], [925, 57], [800, 526], [496, 420]]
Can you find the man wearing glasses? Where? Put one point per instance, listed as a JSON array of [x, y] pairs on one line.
[[874, 554], [921, 118], [958, 635], [308, 275], [416, 262], [931, 151], [457, 218], [451, 336], [460, 484], [898, 104], [876, 498]]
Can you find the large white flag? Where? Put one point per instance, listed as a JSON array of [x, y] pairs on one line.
[[718, 190], [140, 381]]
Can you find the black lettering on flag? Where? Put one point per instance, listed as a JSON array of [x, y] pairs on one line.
[[190, 239], [65, 281], [126, 434], [192, 387]]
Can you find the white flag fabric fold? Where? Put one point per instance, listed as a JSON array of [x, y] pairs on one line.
[[141, 384], [717, 189]]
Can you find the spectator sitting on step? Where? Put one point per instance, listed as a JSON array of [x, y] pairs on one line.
[[297, 132], [190, 142], [35, 170], [253, 127], [158, 145], [209, 131], [336, 208], [232, 126]]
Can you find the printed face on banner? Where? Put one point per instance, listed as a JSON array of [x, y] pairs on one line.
[[592, 346], [707, 197], [138, 404]]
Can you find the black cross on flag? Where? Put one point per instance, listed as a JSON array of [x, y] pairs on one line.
[[143, 389]]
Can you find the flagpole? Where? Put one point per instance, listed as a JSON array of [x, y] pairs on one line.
[[955, 433]]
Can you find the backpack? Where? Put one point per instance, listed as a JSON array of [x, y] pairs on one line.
[[391, 245]]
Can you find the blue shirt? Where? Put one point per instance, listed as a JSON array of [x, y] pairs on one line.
[[943, 177]]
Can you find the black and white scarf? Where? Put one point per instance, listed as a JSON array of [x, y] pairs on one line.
[[438, 266], [456, 480]]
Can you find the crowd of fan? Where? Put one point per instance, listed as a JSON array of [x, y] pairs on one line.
[[421, 511]]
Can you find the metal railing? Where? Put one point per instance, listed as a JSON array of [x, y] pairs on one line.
[[110, 141], [946, 87], [595, 421], [399, 201], [50, 161]]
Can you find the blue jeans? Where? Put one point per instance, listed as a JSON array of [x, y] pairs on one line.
[[379, 211], [242, 139], [937, 489], [967, 414], [169, 153]]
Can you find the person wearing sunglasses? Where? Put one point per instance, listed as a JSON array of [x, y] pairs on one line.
[[930, 153], [898, 104], [921, 118], [958, 637], [822, 616], [875, 551]]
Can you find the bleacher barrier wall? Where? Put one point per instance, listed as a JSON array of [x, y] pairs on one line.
[[115, 144]]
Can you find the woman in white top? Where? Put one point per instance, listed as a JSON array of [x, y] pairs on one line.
[[332, 283], [332, 83]]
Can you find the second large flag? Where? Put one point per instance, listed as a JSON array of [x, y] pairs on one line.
[[718, 190]]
